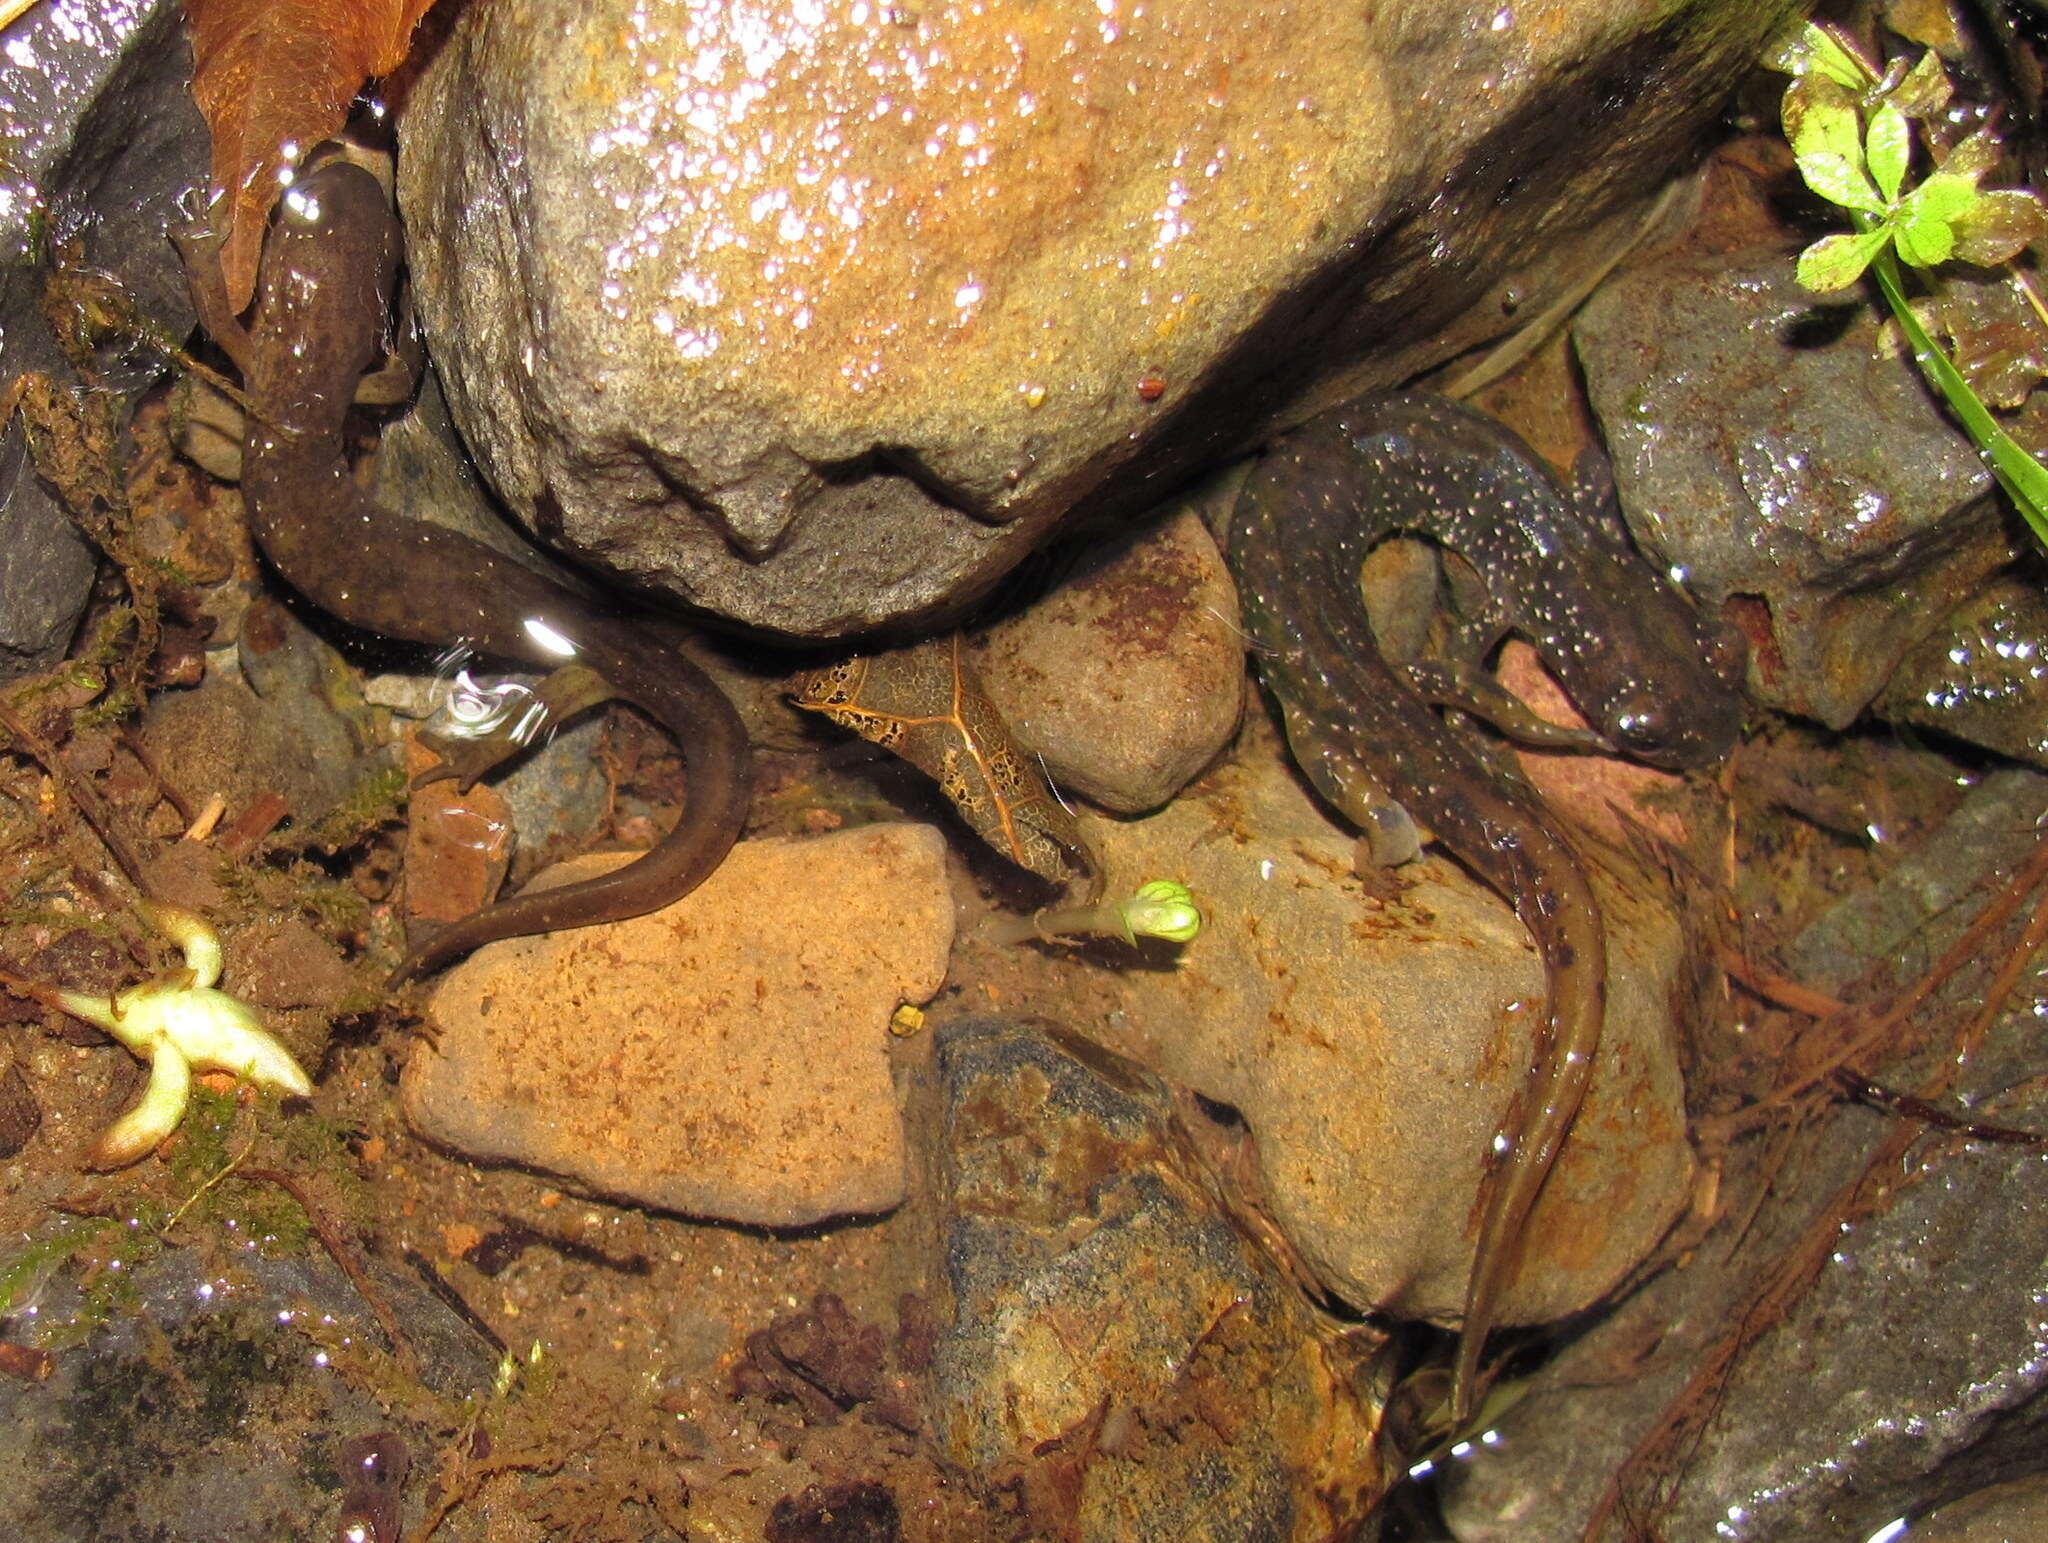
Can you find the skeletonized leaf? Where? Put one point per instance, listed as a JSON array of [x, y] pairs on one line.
[[926, 705], [273, 77]]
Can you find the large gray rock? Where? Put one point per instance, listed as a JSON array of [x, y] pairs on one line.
[[1103, 1304], [207, 1406], [819, 318], [101, 137], [1982, 675], [1799, 476], [1910, 1371]]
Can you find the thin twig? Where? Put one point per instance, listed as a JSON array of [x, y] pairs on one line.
[[83, 796], [1860, 1087], [1685, 1419], [1853, 1039], [339, 1251]]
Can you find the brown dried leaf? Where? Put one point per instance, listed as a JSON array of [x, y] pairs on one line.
[[926, 705], [273, 78]]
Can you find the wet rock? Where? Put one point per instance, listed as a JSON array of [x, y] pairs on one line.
[[282, 962], [102, 138], [1800, 476], [1129, 677], [2004, 1513], [458, 847], [422, 468], [723, 1057], [1373, 1046], [1935, 881], [293, 724], [210, 1411], [1910, 1373], [1982, 675], [841, 1513], [1108, 1319], [818, 320], [221, 738]]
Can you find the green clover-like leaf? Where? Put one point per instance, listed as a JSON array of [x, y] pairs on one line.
[[1836, 262], [1813, 49], [1923, 239], [1924, 222], [1823, 129], [1888, 149]]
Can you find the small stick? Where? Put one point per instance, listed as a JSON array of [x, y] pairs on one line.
[[339, 1251], [83, 795]]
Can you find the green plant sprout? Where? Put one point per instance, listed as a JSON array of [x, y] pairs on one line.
[[1158, 909], [177, 1022], [1850, 127]]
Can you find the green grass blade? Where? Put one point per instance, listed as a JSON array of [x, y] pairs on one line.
[[2024, 479]]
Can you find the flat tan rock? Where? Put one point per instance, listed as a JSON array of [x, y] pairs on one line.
[[1373, 1046], [725, 1057]]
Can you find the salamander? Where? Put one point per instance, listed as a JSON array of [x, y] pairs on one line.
[[320, 326], [1644, 668]]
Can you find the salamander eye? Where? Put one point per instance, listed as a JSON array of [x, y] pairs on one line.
[[301, 203], [1645, 731]]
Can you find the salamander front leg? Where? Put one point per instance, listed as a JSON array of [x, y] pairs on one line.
[[198, 241], [476, 743]]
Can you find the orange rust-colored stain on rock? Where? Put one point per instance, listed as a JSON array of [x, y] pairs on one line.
[[1508, 1045], [1070, 1155], [1149, 602], [1751, 615], [1286, 1025]]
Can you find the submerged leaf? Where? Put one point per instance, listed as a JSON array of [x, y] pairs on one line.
[[1812, 49], [926, 705], [1924, 90], [1999, 226], [272, 79]]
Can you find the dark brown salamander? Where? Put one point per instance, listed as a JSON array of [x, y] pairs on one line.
[[321, 323], [1635, 658]]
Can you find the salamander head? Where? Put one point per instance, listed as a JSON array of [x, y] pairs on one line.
[[1684, 708], [327, 274]]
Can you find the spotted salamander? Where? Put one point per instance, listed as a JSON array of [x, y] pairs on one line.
[[320, 325], [1648, 673]]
